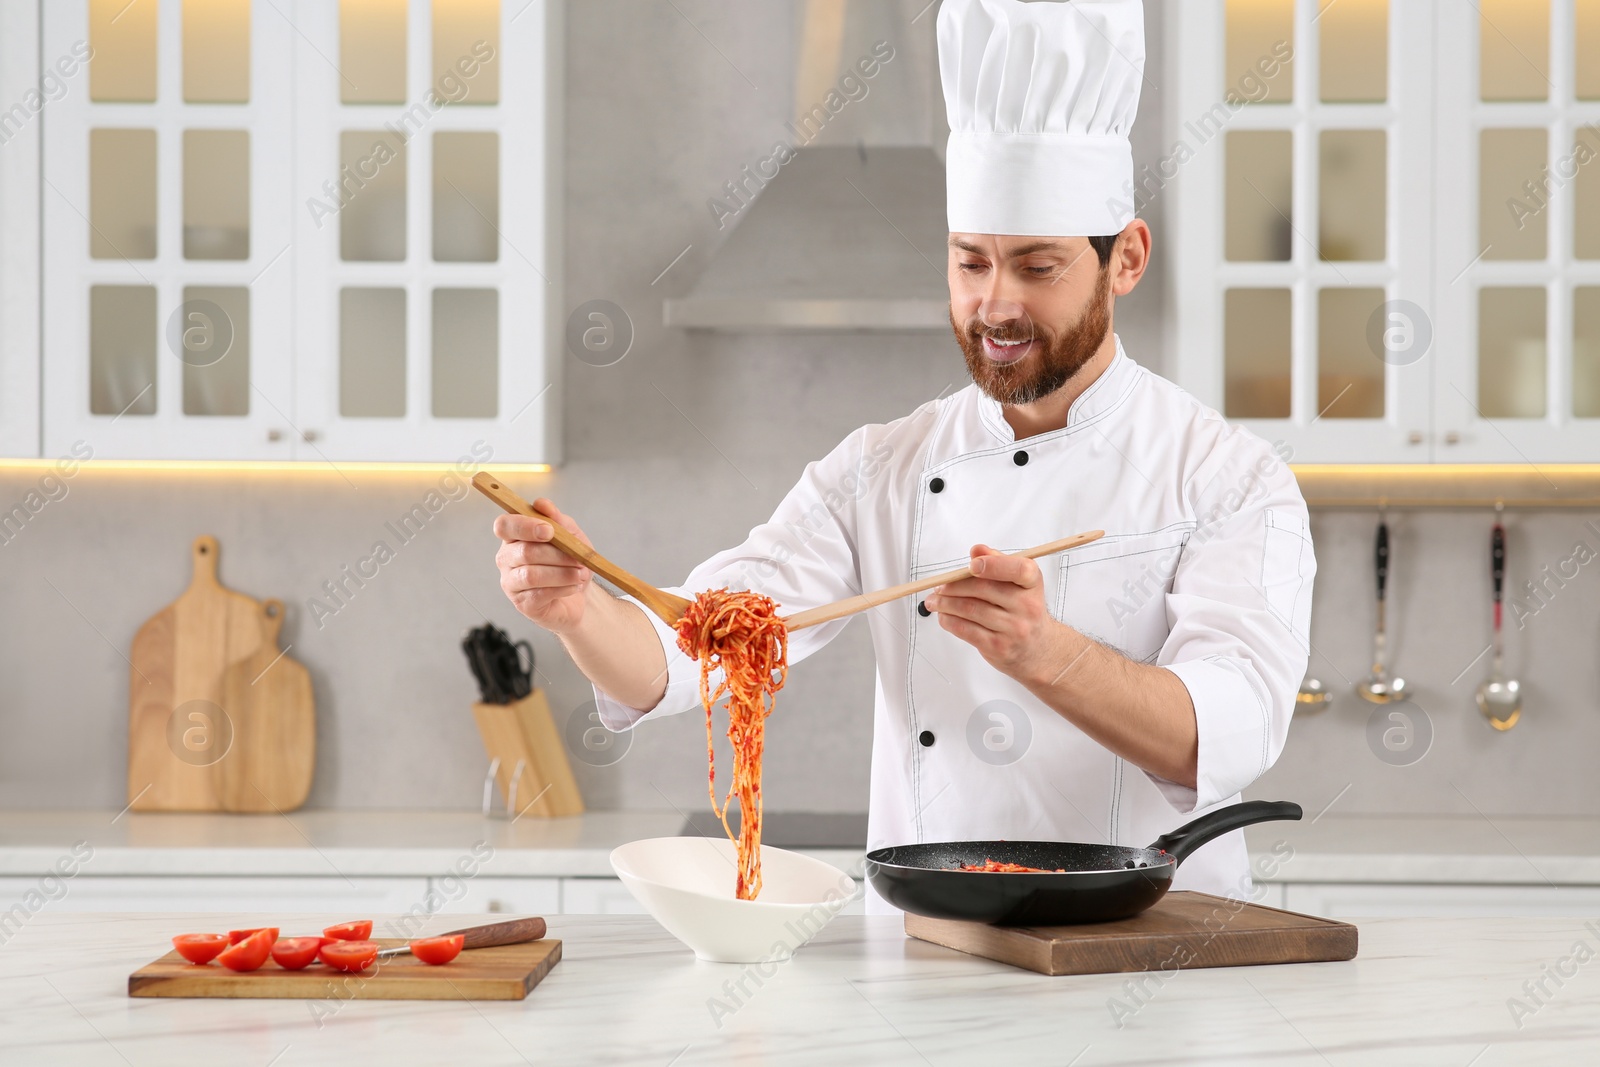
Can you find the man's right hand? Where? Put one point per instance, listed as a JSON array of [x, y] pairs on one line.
[[544, 583]]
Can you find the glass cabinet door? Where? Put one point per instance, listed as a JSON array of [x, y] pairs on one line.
[[237, 271], [167, 288], [1518, 232], [426, 284], [1301, 233]]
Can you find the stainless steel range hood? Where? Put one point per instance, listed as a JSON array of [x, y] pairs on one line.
[[850, 233], [841, 239]]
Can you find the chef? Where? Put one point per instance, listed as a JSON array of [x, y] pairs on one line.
[[1109, 693]]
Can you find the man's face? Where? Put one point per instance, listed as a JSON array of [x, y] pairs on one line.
[[1029, 312]]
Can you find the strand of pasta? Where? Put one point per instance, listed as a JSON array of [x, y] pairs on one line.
[[741, 634]]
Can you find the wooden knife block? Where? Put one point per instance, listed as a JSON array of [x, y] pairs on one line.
[[524, 730]]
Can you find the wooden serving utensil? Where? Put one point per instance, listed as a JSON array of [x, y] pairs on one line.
[[671, 608], [839, 609]]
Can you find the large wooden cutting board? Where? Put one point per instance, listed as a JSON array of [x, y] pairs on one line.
[[505, 972], [267, 695], [175, 690], [1182, 931]]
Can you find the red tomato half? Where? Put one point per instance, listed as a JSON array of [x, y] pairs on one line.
[[200, 948], [359, 930], [249, 954], [293, 953], [349, 955], [236, 936], [438, 950]]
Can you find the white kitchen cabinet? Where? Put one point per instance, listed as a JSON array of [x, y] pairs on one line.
[[1355, 900], [231, 271], [87, 893], [1386, 227], [511, 896], [597, 896]]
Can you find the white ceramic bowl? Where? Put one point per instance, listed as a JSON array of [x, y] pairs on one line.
[[687, 885]]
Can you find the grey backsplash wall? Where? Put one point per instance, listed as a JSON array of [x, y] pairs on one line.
[[657, 120]]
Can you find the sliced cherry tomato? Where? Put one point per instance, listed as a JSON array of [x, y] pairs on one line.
[[349, 955], [236, 936], [249, 954], [200, 948], [293, 953], [359, 930], [438, 950]]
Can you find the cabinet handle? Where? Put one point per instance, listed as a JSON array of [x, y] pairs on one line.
[[274, 434], [1414, 437], [1452, 438], [308, 435]]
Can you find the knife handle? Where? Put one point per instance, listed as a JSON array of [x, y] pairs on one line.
[[510, 932]]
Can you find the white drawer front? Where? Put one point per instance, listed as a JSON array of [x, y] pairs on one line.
[[511, 896], [86, 893], [597, 896]]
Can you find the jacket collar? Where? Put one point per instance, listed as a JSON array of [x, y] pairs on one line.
[[1103, 394]]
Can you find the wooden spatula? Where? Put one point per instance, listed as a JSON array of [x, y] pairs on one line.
[[671, 608], [840, 608]]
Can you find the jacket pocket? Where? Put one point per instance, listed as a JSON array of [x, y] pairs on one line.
[[1114, 590], [1284, 560]]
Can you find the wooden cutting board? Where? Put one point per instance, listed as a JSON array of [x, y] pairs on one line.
[[1182, 931], [175, 690], [267, 696], [505, 972]]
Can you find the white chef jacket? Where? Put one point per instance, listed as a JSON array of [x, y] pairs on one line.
[[1206, 570]]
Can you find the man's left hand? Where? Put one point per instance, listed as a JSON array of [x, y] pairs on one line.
[[1001, 612]]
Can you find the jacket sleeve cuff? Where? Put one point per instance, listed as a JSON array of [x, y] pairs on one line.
[[683, 682], [1232, 727]]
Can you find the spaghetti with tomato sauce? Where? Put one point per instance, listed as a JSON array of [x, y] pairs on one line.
[[989, 866], [740, 634]]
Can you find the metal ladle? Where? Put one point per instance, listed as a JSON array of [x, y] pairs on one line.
[[1499, 698], [1313, 695], [1379, 687]]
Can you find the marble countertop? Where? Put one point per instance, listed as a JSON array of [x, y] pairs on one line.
[[1421, 991], [1329, 848]]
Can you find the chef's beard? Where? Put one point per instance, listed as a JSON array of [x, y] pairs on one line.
[[1055, 359]]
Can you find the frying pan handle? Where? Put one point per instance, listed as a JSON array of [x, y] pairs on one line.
[[1190, 836]]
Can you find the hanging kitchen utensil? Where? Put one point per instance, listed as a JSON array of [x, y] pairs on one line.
[[1379, 687], [1095, 883], [1499, 698], [1313, 696]]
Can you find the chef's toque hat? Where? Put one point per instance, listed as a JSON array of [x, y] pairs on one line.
[[1040, 97]]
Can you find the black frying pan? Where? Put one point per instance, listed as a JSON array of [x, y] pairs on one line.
[[1100, 882]]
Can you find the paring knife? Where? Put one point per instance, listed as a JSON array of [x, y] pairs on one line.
[[510, 932]]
